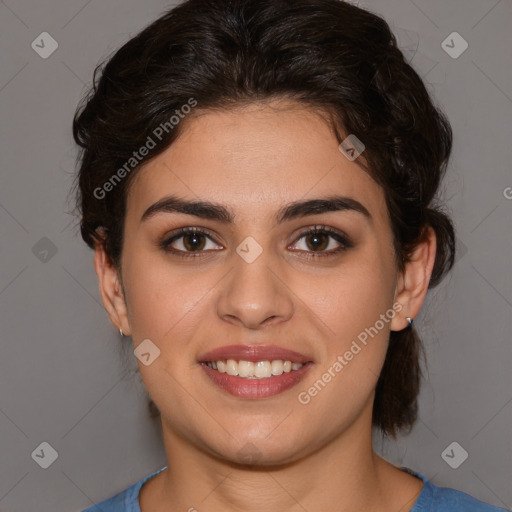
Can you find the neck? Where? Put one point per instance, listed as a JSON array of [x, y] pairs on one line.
[[344, 471]]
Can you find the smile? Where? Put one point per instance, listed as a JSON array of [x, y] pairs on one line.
[[254, 370]]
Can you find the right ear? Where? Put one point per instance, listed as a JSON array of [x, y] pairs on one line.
[[110, 289]]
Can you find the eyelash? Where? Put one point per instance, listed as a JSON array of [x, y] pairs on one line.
[[339, 237]]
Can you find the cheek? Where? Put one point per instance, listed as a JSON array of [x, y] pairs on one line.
[[163, 297], [356, 332], [350, 301], [354, 295], [354, 349]]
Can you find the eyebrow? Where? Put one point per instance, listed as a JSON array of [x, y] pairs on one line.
[[220, 213]]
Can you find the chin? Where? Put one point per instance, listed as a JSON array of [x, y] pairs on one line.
[[250, 451]]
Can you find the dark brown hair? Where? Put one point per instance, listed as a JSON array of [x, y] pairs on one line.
[[326, 54]]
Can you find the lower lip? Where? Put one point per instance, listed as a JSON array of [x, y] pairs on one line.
[[256, 388]]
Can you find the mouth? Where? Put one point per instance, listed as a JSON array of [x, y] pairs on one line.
[[254, 371]]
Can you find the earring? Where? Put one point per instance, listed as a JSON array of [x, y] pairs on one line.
[[121, 332], [409, 319]]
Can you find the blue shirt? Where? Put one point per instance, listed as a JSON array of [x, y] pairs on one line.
[[431, 499]]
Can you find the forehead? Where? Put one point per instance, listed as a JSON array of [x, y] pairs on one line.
[[256, 158]]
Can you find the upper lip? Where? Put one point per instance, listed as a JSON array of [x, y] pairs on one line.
[[253, 353]]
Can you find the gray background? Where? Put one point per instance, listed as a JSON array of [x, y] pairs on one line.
[[65, 381]]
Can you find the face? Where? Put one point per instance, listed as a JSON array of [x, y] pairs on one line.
[[311, 282]]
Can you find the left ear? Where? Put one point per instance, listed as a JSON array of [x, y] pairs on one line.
[[412, 283]]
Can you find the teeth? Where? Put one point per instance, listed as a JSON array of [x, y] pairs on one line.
[[277, 367], [231, 367], [250, 370], [245, 369], [262, 369]]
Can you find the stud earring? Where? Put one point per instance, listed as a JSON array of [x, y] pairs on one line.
[[409, 319], [121, 332]]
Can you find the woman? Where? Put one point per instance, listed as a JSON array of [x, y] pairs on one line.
[[258, 182]]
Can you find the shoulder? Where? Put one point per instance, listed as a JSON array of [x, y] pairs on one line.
[[124, 501], [443, 499], [454, 501]]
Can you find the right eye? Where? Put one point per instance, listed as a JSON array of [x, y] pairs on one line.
[[190, 240]]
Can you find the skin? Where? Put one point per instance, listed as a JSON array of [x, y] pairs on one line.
[[318, 456]]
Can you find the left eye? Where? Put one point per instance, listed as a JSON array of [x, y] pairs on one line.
[[321, 240]]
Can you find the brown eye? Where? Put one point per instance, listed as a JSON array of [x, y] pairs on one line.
[[317, 241], [189, 242], [322, 241], [194, 241]]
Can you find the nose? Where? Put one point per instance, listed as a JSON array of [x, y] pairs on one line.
[[255, 294]]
